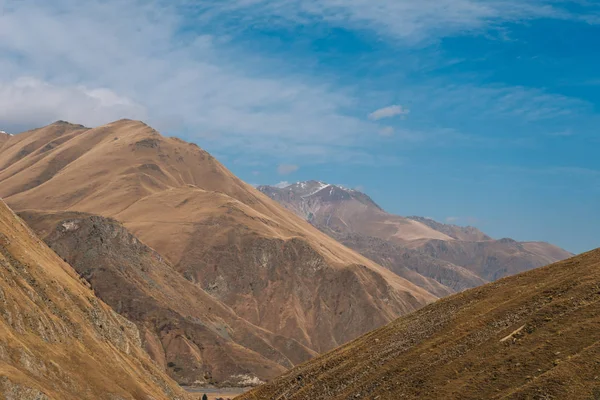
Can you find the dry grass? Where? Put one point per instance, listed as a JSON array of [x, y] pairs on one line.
[[531, 336]]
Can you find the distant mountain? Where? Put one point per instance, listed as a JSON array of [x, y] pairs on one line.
[[57, 339], [530, 336], [295, 290], [453, 256]]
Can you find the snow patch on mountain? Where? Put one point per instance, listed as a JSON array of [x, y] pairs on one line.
[[319, 188]]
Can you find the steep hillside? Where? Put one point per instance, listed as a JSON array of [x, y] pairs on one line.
[[453, 256], [530, 336], [185, 330], [57, 340], [270, 267]]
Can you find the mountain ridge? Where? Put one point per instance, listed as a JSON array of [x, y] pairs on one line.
[[406, 245], [218, 232]]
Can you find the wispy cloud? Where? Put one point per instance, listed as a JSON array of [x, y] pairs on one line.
[[96, 61], [408, 20], [452, 220], [286, 169], [500, 101], [388, 112]]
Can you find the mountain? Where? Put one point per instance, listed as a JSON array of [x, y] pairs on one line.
[[263, 263], [451, 256], [531, 336], [57, 340], [185, 329]]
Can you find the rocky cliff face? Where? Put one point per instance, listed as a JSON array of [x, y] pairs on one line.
[[57, 339]]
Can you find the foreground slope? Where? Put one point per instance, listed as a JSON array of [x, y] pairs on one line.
[[535, 335], [271, 268], [57, 340], [445, 258]]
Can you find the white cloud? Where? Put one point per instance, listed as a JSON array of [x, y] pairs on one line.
[[452, 220], [100, 60], [388, 112], [95, 61], [29, 101], [282, 184], [286, 169]]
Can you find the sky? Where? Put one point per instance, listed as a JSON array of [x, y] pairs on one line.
[[474, 112]]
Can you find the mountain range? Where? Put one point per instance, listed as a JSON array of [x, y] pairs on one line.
[[224, 284], [441, 258], [210, 280]]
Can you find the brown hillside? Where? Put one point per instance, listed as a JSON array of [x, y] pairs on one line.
[[57, 340], [531, 336], [272, 268], [187, 331]]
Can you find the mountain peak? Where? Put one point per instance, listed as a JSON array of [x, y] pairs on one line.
[[61, 122], [318, 192]]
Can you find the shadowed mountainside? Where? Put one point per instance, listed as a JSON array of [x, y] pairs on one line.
[[186, 331], [57, 340]]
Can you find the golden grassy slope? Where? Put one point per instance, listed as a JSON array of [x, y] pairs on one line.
[[57, 340], [531, 336], [271, 267]]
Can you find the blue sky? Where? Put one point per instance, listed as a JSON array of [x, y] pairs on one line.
[[468, 111]]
